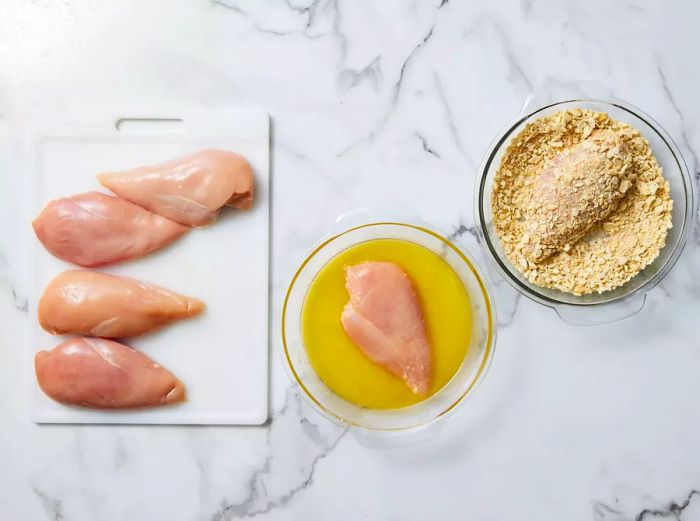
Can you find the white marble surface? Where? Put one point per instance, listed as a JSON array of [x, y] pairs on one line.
[[374, 102]]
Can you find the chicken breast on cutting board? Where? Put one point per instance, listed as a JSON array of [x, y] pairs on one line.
[[578, 188], [97, 304], [94, 229], [103, 374], [189, 190], [384, 318]]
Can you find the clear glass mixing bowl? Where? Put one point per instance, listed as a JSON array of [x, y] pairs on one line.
[[361, 226], [629, 298]]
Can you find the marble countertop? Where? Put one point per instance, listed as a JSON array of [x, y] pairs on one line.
[[375, 103]]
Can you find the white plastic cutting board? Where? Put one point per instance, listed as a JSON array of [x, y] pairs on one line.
[[222, 355]]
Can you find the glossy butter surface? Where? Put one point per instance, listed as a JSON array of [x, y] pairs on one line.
[[341, 364]]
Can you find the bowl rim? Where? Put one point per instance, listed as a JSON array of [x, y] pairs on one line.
[[480, 198], [486, 359]]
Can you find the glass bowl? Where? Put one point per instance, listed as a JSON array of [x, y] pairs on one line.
[[350, 232], [629, 298]]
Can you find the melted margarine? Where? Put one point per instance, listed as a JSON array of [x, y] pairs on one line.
[[341, 364]]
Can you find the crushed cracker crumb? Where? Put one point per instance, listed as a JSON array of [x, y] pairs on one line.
[[599, 231]]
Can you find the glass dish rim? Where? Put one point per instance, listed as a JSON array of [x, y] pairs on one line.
[[480, 196], [486, 359]]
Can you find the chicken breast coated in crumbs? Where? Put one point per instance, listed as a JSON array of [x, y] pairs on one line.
[[608, 252], [577, 188]]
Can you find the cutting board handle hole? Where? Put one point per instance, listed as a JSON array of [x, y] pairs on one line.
[[149, 125]]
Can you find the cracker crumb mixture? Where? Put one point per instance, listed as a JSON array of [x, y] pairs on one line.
[[579, 234]]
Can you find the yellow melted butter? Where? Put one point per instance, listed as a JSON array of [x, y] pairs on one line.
[[342, 365]]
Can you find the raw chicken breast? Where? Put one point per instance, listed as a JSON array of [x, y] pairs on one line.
[[93, 229], [385, 320], [578, 188], [103, 374], [96, 304], [189, 190]]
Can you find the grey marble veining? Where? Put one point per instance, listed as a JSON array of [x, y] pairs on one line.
[[373, 102]]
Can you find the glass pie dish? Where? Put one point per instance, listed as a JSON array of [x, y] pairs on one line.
[[625, 300], [365, 225]]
